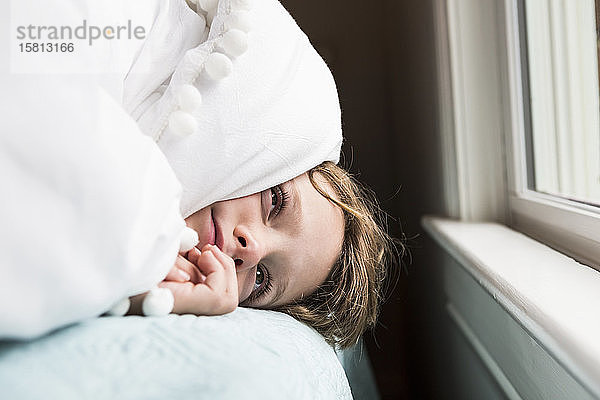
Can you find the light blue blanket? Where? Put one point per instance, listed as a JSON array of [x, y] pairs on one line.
[[248, 354]]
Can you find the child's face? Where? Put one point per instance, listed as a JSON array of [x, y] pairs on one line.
[[284, 240]]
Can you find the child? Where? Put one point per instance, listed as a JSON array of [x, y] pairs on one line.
[[295, 232]]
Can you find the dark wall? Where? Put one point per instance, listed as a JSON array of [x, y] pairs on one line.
[[382, 55]]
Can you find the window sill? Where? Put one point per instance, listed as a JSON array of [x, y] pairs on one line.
[[554, 298]]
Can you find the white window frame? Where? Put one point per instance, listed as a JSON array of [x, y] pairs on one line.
[[482, 129], [568, 226], [563, 82]]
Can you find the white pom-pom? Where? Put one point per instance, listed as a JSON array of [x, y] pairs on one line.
[[189, 98], [217, 66], [121, 308], [241, 4], [234, 42], [208, 5], [182, 123], [239, 20], [189, 239], [158, 302]]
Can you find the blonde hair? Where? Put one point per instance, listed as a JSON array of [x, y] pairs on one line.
[[347, 302]]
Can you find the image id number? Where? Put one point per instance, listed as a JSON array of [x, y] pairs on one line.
[[46, 47]]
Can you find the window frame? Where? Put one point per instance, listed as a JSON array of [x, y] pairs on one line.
[[483, 121], [568, 226]]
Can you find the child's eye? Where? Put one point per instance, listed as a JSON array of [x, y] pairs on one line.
[[279, 199], [262, 282], [260, 277]]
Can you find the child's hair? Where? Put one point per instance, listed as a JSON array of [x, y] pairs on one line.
[[347, 303]]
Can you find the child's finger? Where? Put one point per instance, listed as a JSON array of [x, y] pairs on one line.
[[212, 268], [232, 282], [199, 299], [195, 275], [207, 262], [177, 275], [193, 255], [223, 258], [183, 294], [230, 270]]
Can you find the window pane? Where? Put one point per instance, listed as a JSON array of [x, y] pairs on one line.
[[562, 57]]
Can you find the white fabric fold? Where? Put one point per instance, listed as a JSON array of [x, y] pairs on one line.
[[276, 116]]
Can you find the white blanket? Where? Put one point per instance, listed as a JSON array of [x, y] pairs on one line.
[[90, 207], [91, 210]]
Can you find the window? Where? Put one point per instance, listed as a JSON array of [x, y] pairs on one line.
[[563, 99], [554, 135], [519, 114]]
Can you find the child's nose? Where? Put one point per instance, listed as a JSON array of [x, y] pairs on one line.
[[248, 251]]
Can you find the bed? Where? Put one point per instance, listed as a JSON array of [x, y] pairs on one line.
[[250, 354]]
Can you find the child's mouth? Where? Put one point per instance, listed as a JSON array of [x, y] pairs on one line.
[[212, 229], [217, 238]]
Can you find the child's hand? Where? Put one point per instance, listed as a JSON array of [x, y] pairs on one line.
[[212, 288], [184, 270]]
